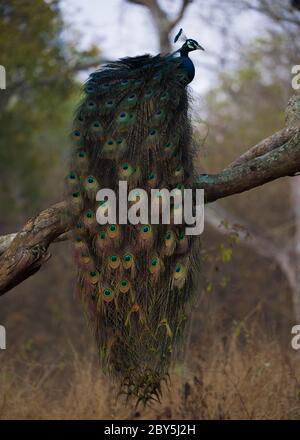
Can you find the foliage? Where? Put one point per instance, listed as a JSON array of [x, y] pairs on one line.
[[34, 108]]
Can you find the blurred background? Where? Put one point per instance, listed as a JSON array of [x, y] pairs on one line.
[[238, 361]]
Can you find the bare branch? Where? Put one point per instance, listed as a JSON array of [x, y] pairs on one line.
[[268, 144], [181, 13], [29, 249], [283, 161]]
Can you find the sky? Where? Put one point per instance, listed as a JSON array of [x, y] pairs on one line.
[[123, 29]]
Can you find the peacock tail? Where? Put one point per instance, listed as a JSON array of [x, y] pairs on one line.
[[136, 281]]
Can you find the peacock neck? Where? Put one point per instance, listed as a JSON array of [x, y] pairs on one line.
[[187, 64]]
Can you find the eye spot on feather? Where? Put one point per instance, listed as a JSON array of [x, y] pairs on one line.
[[109, 104], [89, 214], [168, 235], [107, 294], [90, 89], [91, 105], [125, 82], [102, 235], [178, 268], [77, 134], [127, 258], [154, 262], [132, 98], [153, 132], [72, 176]]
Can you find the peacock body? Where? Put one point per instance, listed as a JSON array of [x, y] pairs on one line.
[[135, 281]]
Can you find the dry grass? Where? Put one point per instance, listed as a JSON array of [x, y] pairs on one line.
[[253, 380]]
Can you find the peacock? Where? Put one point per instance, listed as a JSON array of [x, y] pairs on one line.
[[136, 282]]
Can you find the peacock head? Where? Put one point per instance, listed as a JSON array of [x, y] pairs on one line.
[[189, 44]]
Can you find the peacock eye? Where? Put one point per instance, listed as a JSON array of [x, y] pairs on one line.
[[168, 236], [127, 258], [93, 273], [112, 228], [77, 133], [107, 292], [76, 195], [113, 258], [181, 236], [124, 283], [177, 268], [152, 132], [102, 235], [90, 180], [72, 176], [146, 228], [154, 262], [81, 154], [119, 141], [125, 166], [110, 142], [151, 176]]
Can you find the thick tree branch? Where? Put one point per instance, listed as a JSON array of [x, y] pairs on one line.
[[22, 254], [268, 144], [29, 249], [283, 161]]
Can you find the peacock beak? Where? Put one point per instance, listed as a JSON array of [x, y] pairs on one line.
[[200, 47]]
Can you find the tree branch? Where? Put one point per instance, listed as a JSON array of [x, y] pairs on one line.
[[280, 162], [29, 249], [22, 254]]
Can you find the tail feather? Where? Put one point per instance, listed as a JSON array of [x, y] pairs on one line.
[[135, 281]]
